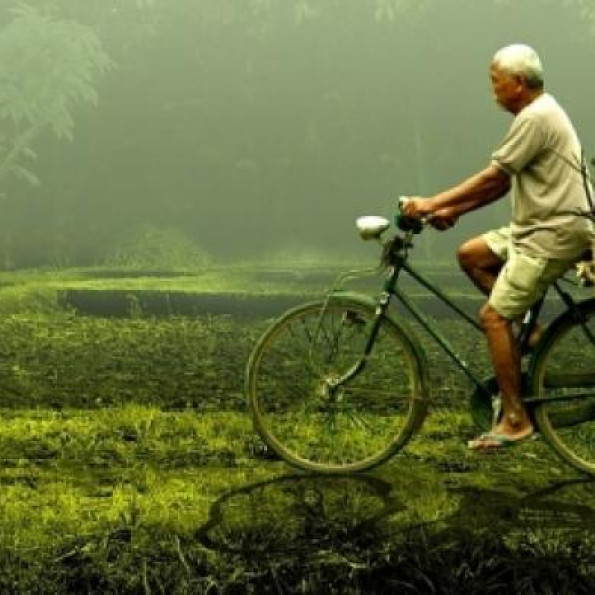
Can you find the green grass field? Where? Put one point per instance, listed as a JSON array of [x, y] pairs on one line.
[[129, 465]]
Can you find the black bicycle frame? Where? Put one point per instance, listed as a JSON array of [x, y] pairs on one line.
[[390, 289], [397, 255]]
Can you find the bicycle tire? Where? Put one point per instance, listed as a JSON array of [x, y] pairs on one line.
[[362, 424], [564, 367]]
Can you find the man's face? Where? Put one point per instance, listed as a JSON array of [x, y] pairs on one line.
[[507, 88]]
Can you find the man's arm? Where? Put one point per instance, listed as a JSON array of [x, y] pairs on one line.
[[477, 191]]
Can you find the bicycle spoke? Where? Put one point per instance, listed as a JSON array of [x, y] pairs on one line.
[[359, 421], [295, 340], [306, 338], [332, 339], [564, 385], [309, 420], [370, 390]]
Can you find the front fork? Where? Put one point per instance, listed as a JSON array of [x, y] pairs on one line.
[[334, 384]]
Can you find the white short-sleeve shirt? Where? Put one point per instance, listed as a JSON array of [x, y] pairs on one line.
[[542, 154]]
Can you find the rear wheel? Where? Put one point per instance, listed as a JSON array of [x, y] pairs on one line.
[[563, 373], [309, 420]]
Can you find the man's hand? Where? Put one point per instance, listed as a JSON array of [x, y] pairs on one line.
[[443, 219], [416, 207], [419, 208]]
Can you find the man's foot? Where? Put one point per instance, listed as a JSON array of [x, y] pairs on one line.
[[498, 440]]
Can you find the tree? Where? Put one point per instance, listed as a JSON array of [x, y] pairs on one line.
[[48, 67]]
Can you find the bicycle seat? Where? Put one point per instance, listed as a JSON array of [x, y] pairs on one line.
[[371, 227]]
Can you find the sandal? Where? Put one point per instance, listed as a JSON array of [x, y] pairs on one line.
[[497, 441]]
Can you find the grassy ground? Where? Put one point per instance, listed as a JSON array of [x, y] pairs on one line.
[[135, 499], [129, 465]]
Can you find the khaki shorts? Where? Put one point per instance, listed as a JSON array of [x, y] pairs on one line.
[[523, 279]]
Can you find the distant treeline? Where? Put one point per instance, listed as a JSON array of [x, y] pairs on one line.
[[242, 128]]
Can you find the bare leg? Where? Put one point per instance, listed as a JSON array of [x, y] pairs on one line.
[[479, 263], [482, 266], [515, 423]]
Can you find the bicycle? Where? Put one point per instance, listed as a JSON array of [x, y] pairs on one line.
[[341, 384]]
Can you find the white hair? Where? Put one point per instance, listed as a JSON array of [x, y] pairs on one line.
[[520, 59]]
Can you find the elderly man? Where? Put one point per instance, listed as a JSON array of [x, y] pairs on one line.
[[540, 158]]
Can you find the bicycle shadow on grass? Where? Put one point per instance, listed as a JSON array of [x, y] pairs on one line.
[[559, 507], [299, 513], [356, 517]]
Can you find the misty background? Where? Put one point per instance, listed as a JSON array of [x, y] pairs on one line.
[[245, 129]]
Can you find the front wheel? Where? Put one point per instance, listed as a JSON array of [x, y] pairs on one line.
[[319, 424], [563, 380]]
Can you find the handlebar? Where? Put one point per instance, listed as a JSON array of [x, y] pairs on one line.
[[405, 223], [371, 227]]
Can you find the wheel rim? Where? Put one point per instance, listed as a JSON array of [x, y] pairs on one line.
[[301, 412], [566, 372]]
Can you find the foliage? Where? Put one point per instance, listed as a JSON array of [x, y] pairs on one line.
[[60, 360], [158, 249], [269, 106], [48, 68], [129, 464], [132, 499]]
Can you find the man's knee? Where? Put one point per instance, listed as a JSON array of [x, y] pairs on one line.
[[467, 255], [476, 254], [491, 318]]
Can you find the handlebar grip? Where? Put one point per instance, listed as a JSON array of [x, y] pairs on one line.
[[405, 223]]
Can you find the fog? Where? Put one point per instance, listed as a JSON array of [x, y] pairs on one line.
[[250, 128]]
